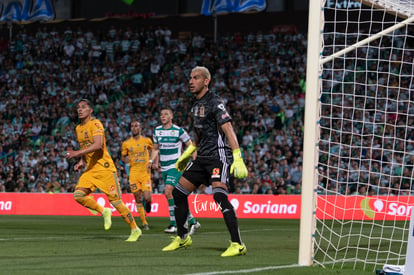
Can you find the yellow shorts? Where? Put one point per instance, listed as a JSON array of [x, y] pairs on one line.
[[106, 181], [140, 182]]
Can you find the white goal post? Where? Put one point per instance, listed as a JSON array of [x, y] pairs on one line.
[[358, 163]]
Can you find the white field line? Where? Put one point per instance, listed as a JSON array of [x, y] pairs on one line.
[[250, 270]]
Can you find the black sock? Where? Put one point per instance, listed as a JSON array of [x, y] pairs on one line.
[[180, 195], [229, 215]]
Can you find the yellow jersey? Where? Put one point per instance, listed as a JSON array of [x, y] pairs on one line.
[[100, 159], [138, 153]]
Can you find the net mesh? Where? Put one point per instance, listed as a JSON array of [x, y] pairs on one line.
[[366, 146]]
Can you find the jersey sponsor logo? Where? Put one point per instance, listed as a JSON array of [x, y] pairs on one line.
[[215, 173], [85, 135], [168, 145], [162, 135]]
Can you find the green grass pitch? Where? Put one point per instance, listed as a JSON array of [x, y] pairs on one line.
[[80, 245]]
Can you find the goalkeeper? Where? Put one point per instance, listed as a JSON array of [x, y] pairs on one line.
[[218, 154]]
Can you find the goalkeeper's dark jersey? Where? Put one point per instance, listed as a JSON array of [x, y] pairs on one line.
[[209, 113]]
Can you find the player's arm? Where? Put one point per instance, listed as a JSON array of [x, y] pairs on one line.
[[95, 146], [124, 153], [228, 130], [81, 163], [238, 168], [194, 154], [196, 139], [154, 159], [125, 159]]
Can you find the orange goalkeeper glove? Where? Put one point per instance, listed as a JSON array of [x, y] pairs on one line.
[[185, 157], [238, 168]]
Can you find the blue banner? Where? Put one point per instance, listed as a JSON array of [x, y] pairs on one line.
[[229, 6], [27, 10]]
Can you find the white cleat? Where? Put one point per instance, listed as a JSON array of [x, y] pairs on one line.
[[194, 228]]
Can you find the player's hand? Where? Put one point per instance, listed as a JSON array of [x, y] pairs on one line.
[[184, 158], [238, 168], [70, 154], [79, 165]]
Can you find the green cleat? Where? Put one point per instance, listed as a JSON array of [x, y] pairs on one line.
[[135, 234], [235, 249], [178, 243], [106, 214]]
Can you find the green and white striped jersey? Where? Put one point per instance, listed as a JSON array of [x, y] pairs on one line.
[[170, 143]]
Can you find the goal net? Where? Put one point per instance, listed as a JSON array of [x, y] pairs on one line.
[[364, 168]]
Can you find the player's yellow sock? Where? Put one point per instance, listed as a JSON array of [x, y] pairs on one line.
[[141, 212], [87, 201], [125, 213]]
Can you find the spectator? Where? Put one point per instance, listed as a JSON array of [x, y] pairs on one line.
[[88, 72]]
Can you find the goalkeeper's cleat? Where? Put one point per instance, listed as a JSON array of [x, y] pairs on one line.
[[106, 214], [194, 227], [170, 229], [145, 227], [147, 206], [235, 249], [177, 243], [135, 234]]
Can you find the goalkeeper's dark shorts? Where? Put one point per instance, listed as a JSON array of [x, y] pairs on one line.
[[207, 170]]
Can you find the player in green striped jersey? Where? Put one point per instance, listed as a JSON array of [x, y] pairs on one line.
[[168, 140]]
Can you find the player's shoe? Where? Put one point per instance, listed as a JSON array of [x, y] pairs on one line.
[[106, 214], [145, 227], [177, 243], [147, 206], [194, 227], [135, 234], [235, 249], [170, 229]]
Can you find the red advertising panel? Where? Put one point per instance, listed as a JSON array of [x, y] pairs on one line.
[[247, 206], [365, 208]]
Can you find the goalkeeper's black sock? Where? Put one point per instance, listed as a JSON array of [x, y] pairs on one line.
[[229, 215], [180, 195]]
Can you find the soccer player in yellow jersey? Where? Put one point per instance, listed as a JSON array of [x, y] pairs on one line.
[[137, 149], [100, 171]]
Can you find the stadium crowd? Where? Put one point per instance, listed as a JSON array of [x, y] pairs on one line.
[[133, 73]]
